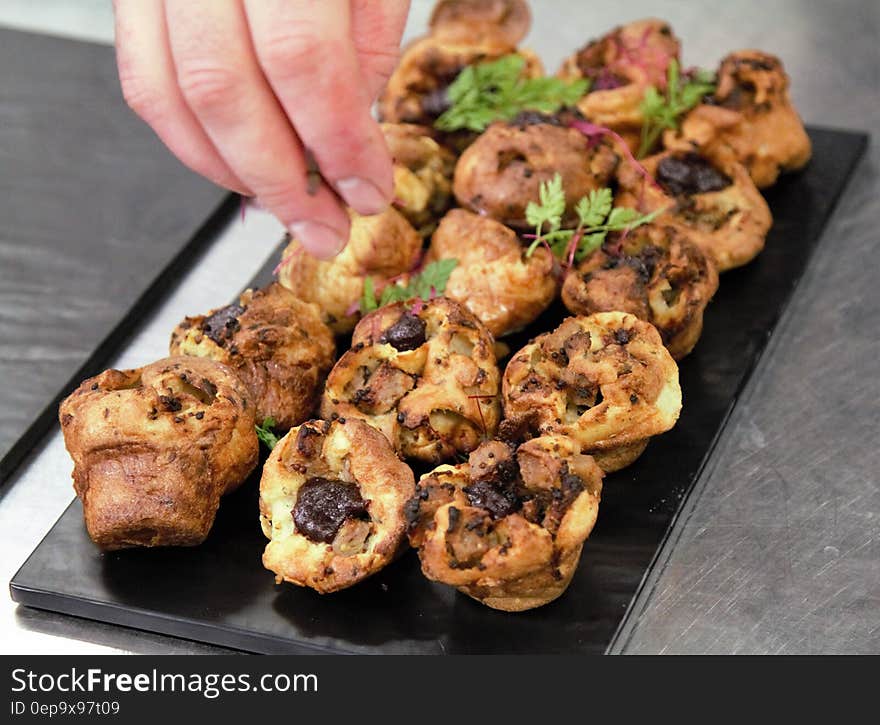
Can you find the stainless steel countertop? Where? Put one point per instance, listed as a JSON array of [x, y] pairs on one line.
[[777, 550]]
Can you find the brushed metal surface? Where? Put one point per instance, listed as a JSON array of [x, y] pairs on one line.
[[778, 551]]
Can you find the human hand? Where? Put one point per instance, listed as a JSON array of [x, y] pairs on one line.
[[239, 90]]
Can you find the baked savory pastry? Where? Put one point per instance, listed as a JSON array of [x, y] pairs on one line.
[[155, 448], [425, 375], [416, 91], [508, 526], [605, 380], [381, 246], [471, 20], [502, 171], [713, 198], [332, 501], [620, 66], [495, 281], [750, 116], [275, 342], [654, 272], [422, 174]]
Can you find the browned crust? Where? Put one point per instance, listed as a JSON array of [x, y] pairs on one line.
[[278, 346], [495, 281], [635, 55], [654, 272], [729, 225], [604, 380], [430, 64], [155, 448], [350, 451], [422, 174], [381, 247], [471, 20], [430, 402], [751, 119], [518, 557], [502, 171]]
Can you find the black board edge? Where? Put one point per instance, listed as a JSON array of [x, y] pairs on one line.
[[121, 333], [646, 587]]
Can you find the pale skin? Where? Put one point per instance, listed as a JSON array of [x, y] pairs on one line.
[[245, 91]]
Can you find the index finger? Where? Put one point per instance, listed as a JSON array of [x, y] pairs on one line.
[[308, 56]]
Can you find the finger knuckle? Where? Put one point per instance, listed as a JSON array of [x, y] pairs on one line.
[[141, 96], [286, 53], [207, 87], [281, 196], [381, 59]]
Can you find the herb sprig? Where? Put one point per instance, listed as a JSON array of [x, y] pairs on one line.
[[596, 217], [683, 92], [266, 434], [496, 90], [428, 283]]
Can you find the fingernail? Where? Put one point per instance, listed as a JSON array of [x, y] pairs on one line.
[[361, 195], [319, 239]]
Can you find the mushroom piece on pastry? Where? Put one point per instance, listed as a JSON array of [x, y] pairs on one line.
[[495, 281], [416, 91], [425, 375], [715, 200], [381, 246], [155, 448], [502, 171], [750, 117], [471, 20], [508, 526], [422, 174], [621, 65], [332, 501], [605, 380], [275, 342], [654, 272]]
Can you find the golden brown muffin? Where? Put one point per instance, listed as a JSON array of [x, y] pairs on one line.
[[502, 171], [275, 342], [422, 174], [620, 66], [424, 374], [714, 199], [471, 20], [332, 500], [654, 272], [508, 526], [605, 380], [495, 281], [750, 117], [381, 246], [416, 91], [155, 448]]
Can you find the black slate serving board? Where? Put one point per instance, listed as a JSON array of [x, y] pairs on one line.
[[98, 219], [219, 593]]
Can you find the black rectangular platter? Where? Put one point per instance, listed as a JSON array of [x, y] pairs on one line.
[[219, 592]]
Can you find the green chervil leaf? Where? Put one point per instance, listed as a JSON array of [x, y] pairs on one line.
[[496, 90], [593, 209], [662, 112], [595, 212], [432, 279], [266, 434], [589, 244], [368, 299], [551, 207]]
